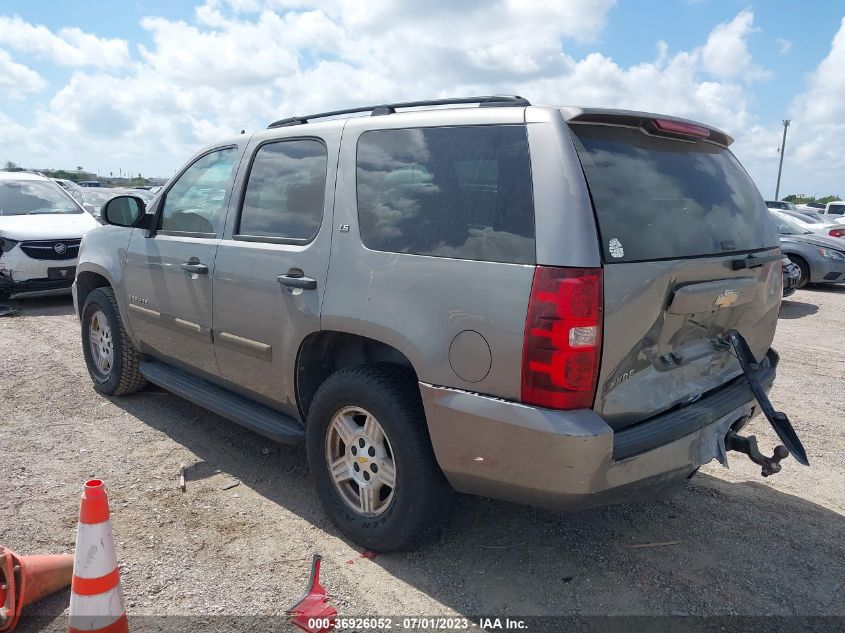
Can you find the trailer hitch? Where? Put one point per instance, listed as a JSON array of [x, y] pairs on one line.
[[748, 445], [779, 421]]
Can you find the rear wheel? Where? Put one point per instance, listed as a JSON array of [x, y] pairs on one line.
[[371, 457], [111, 358], [804, 279]]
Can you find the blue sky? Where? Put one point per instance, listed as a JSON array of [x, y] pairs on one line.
[[138, 86]]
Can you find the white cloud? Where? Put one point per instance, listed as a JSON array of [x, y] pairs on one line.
[[726, 55], [817, 133], [16, 80], [784, 45], [240, 64], [67, 47]]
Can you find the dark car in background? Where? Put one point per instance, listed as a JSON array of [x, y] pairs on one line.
[[821, 259]]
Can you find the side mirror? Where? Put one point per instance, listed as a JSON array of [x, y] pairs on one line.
[[129, 211]]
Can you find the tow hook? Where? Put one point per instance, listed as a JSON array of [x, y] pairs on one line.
[[779, 421], [748, 445]]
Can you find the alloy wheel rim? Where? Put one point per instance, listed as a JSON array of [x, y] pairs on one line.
[[101, 343], [360, 461]]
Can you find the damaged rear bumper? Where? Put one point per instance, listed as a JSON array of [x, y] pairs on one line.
[[573, 459]]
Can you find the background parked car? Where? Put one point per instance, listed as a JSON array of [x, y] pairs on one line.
[[71, 187], [791, 276], [90, 183], [814, 223], [95, 197], [811, 206], [836, 210], [820, 258], [41, 227], [145, 194], [780, 204]]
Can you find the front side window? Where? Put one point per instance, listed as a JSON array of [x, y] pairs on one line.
[[34, 197], [195, 202], [462, 192], [286, 191]]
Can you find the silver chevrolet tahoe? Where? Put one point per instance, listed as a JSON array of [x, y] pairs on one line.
[[554, 306]]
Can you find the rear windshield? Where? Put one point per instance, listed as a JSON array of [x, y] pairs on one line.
[[659, 198]]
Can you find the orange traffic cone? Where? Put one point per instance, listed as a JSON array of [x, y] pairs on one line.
[[27, 579], [96, 599]]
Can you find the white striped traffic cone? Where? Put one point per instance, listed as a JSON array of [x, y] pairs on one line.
[[96, 599]]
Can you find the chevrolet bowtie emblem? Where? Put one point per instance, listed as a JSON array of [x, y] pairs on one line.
[[726, 299]]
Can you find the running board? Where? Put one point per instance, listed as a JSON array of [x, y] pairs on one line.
[[256, 417]]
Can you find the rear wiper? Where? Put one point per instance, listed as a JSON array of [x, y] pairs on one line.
[[753, 262]]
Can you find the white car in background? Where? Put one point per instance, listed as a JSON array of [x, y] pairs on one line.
[[41, 227], [815, 223], [71, 187], [836, 211]]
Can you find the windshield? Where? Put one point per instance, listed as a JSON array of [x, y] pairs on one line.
[[787, 226], [660, 198], [34, 197]]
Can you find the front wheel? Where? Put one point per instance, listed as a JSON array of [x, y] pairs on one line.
[[111, 358], [804, 269], [371, 457]]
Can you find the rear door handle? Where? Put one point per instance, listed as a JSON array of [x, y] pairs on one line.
[[193, 266], [295, 278]]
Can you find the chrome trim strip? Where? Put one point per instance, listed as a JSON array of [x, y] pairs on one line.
[[194, 327], [145, 311], [246, 345]]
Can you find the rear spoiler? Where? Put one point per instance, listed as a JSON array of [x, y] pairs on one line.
[[645, 120]]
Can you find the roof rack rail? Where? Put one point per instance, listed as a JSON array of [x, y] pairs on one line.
[[390, 108]]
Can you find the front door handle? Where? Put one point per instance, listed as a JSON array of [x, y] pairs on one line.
[[295, 278], [194, 266]]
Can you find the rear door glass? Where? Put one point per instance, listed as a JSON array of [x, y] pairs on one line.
[[660, 198], [462, 192]]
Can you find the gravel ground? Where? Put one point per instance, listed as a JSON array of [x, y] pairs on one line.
[[733, 543]]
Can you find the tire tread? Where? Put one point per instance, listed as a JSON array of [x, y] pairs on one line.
[[130, 379]]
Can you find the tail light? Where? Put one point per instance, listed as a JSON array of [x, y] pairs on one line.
[[562, 345], [837, 232]]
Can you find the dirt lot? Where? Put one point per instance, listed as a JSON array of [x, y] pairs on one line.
[[733, 543]]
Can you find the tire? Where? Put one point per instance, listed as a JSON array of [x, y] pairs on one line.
[[804, 279], [420, 497], [121, 376]]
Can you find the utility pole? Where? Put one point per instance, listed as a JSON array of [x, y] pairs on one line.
[[782, 149]]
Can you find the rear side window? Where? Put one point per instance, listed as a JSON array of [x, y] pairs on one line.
[[462, 192], [836, 209], [286, 191], [660, 198]]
